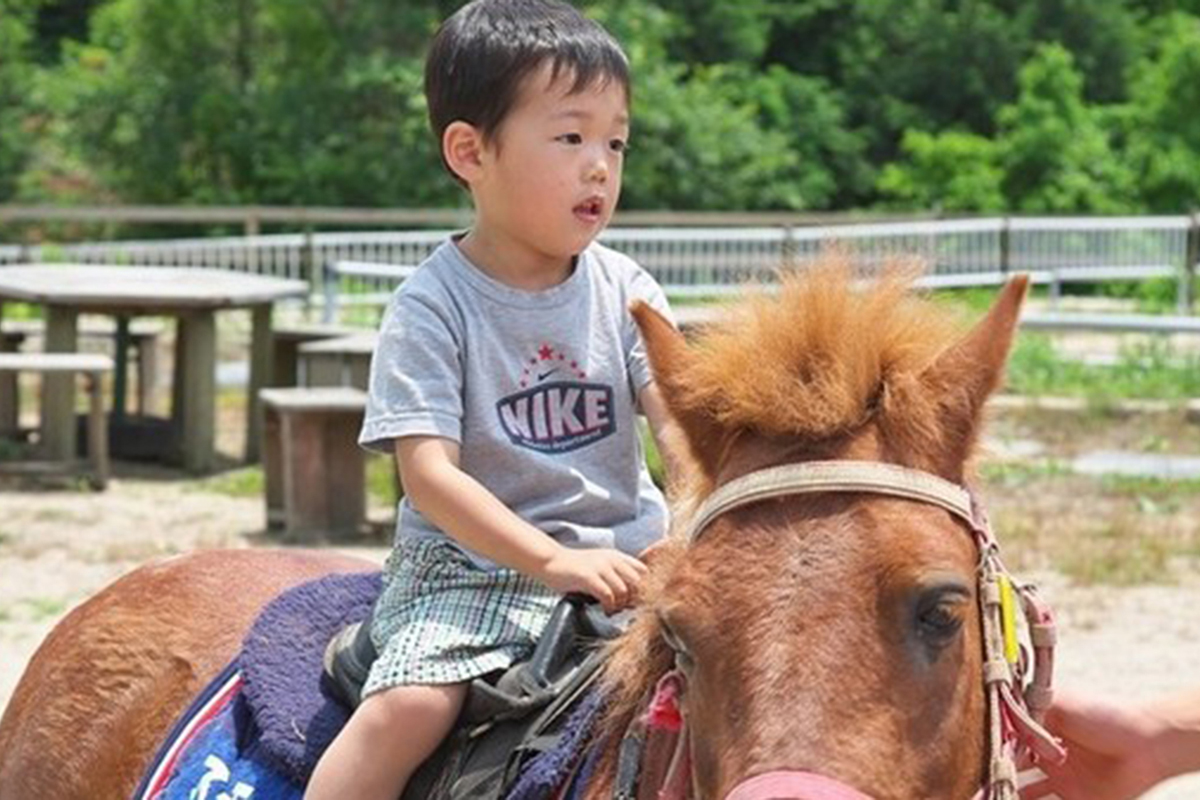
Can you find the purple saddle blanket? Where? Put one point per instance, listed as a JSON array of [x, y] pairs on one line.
[[281, 663]]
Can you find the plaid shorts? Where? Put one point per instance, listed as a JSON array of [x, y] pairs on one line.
[[441, 619]]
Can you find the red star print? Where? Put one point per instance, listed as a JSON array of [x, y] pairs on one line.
[[546, 352]]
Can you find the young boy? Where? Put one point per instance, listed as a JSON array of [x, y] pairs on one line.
[[507, 381]]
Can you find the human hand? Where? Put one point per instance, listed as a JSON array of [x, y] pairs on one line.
[[1112, 752], [610, 576]]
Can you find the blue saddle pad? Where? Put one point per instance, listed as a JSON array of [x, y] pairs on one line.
[[205, 757]]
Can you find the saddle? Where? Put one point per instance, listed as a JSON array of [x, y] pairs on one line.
[[510, 716]]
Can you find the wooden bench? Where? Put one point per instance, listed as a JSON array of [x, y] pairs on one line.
[[285, 345], [345, 361], [92, 368], [142, 337], [314, 468]]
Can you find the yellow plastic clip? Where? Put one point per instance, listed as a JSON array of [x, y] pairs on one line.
[[1008, 618]]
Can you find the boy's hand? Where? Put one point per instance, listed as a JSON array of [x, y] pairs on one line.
[[610, 576]]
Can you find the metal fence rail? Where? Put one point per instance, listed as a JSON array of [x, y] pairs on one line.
[[717, 260]]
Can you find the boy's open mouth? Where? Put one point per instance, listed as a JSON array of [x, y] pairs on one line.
[[590, 209]]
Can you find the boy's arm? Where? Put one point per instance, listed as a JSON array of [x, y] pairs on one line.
[[470, 514], [667, 435]]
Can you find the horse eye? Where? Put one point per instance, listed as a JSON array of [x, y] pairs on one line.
[[939, 620]]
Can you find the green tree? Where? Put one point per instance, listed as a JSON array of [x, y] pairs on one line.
[[1101, 35], [16, 83], [695, 147], [1161, 125], [1054, 150], [254, 101], [951, 171]]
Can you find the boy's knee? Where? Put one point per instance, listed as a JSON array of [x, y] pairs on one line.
[[410, 706]]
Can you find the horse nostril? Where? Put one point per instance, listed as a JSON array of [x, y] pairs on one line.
[[788, 785]]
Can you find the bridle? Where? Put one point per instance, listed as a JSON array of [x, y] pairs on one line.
[[1017, 698]]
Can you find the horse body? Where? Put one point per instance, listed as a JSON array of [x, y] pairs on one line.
[[828, 634]]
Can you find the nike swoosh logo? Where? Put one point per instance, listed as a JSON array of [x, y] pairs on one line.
[[543, 375]]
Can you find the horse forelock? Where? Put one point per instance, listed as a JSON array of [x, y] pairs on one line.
[[818, 358]]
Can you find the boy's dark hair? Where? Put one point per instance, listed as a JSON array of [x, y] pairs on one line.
[[483, 52]]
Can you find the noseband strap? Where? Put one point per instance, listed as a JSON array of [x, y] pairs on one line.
[[1014, 708]]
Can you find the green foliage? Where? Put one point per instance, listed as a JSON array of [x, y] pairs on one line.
[[697, 144], [1161, 124], [952, 171], [254, 101], [1039, 106], [1055, 153], [16, 81]]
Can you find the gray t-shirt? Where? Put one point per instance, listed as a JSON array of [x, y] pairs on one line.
[[538, 388]]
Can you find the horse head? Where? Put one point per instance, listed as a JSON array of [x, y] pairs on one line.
[[830, 635]]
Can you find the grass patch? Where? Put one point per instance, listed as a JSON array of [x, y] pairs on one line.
[[245, 482], [1150, 369], [54, 515], [1119, 555], [1138, 486], [654, 460], [1110, 530], [1017, 474], [41, 608], [381, 481]]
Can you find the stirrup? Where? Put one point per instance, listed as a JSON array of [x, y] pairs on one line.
[[347, 662]]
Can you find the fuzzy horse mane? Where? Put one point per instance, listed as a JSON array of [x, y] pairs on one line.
[[812, 362]]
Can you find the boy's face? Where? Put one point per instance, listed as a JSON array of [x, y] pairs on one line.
[[551, 174]]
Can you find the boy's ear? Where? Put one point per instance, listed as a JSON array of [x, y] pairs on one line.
[[462, 148]]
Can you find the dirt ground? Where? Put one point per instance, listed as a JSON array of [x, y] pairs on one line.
[[1129, 618]]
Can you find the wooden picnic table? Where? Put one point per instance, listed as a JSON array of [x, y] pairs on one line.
[[190, 296]]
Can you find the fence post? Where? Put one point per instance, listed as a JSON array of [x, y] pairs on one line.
[[1005, 245], [1187, 291], [789, 247], [310, 270], [329, 310], [250, 229]]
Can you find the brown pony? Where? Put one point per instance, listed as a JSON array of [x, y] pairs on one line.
[[831, 633]]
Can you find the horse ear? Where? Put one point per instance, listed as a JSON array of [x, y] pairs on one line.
[[966, 374], [669, 357]]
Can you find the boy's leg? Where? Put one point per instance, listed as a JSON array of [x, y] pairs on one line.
[[386, 739]]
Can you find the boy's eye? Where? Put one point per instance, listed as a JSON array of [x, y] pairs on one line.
[[570, 138], [618, 145]]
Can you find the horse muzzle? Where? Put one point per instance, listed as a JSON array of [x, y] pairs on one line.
[[786, 785]]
